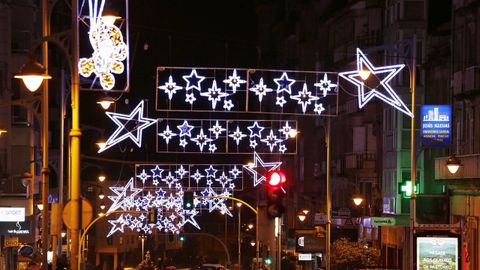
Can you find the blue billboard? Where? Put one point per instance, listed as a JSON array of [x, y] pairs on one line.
[[436, 125]]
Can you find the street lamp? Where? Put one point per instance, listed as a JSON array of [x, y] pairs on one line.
[[453, 164], [301, 216], [32, 74], [357, 199], [105, 102]]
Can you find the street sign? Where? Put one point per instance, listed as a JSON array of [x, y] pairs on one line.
[[304, 256], [87, 213], [383, 221], [436, 125]]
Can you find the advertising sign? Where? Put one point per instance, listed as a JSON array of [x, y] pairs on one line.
[[12, 214], [437, 253], [15, 228], [436, 125], [304, 256], [383, 221], [309, 243]]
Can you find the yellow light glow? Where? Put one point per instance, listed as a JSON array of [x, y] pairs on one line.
[[453, 168], [102, 206], [239, 204], [364, 74], [101, 144], [109, 20], [293, 133], [301, 217], [105, 103], [32, 82], [102, 178], [250, 164], [357, 200], [2, 131], [305, 211], [40, 206]]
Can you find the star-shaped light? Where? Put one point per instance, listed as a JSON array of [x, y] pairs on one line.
[[284, 84], [282, 148], [156, 172], [253, 143], [234, 81], [237, 135], [304, 97], [185, 129], [228, 104], [214, 94], [124, 197], [255, 130], [181, 172], [167, 134], [193, 80], [260, 90], [271, 140], [169, 180], [280, 101], [235, 172], [143, 176], [364, 97], [211, 171], [325, 85], [212, 148], [190, 98], [183, 143], [122, 133], [217, 129], [117, 225], [286, 129], [197, 176], [170, 87], [319, 108], [260, 169], [201, 140]]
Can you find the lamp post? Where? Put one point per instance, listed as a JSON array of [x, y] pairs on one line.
[[74, 134], [239, 239], [329, 200], [413, 164]]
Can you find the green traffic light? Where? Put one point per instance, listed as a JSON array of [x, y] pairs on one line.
[[268, 261], [182, 238]]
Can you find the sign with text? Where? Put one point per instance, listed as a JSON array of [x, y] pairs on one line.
[[437, 253], [8, 214], [15, 228], [12, 242], [383, 221], [304, 256], [436, 125], [309, 243]]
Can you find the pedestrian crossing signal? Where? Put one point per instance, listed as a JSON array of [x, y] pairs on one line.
[[188, 200]]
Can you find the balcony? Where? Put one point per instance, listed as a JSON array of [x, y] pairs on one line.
[[364, 160]]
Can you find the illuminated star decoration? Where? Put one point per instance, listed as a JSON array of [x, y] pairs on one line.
[[214, 94], [237, 135], [271, 140], [325, 85], [193, 80], [365, 96], [170, 87], [167, 134], [284, 84], [109, 49], [228, 105], [234, 81], [280, 101], [260, 90], [217, 129], [255, 130], [304, 98], [185, 129], [190, 98], [121, 133], [319, 108], [259, 169], [201, 140], [286, 129]]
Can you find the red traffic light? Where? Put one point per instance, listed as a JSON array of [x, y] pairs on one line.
[[276, 178]]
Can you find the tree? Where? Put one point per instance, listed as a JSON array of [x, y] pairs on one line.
[[353, 255]]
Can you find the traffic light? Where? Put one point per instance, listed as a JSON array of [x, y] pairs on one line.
[[275, 193], [188, 200], [152, 215], [181, 237]]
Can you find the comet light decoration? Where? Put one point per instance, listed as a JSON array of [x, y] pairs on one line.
[[123, 132], [151, 189], [259, 169], [109, 48], [384, 75], [225, 136], [184, 89]]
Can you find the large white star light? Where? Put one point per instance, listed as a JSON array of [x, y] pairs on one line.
[[325, 85], [234, 81], [122, 133], [304, 97], [261, 90], [214, 94], [170, 87], [259, 168], [391, 98]]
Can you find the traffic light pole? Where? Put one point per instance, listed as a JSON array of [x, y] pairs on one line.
[[329, 200]]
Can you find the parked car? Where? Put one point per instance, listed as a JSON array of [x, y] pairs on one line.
[[211, 266]]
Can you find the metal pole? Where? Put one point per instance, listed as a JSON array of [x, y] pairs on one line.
[[226, 231], [143, 247], [239, 238], [75, 134], [257, 244], [45, 170], [279, 243], [327, 190], [413, 165]]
